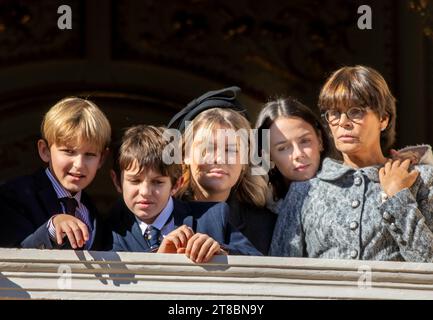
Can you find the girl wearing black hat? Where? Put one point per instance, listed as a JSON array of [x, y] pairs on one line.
[[207, 177]]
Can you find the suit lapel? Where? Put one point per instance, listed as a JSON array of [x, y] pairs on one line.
[[138, 236], [50, 203], [181, 214], [47, 195], [94, 239], [93, 213], [237, 212]]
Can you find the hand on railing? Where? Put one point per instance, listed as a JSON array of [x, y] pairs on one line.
[[198, 247]]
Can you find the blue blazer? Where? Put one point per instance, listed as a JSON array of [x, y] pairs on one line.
[[203, 217], [255, 223], [26, 205]]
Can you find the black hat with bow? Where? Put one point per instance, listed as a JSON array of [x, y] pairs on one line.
[[224, 98]]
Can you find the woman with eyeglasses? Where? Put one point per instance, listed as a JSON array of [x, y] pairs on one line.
[[298, 142], [366, 206]]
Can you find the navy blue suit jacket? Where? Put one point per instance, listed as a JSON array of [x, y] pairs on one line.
[[26, 205], [203, 217]]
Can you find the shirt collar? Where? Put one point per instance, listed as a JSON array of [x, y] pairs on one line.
[[61, 192], [162, 218], [333, 170]]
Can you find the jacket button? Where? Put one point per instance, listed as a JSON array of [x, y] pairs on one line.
[[393, 227], [355, 203], [386, 216], [354, 254], [358, 181], [353, 225]]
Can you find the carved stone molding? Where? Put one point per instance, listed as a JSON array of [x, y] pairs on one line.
[[270, 48], [29, 32], [263, 47], [425, 10], [39, 274]]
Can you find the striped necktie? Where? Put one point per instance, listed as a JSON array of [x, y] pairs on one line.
[[153, 237]]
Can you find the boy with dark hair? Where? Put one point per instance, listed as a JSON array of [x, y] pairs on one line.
[[150, 220]]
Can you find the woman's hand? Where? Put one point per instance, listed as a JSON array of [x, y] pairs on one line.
[[395, 176]]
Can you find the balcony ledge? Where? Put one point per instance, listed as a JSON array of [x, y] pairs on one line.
[[54, 274]]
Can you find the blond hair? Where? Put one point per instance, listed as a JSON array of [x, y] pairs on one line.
[[361, 86], [74, 120], [250, 189]]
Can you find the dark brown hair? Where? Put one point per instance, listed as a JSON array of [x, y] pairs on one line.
[[364, 87], [144, 144], [290, 107]]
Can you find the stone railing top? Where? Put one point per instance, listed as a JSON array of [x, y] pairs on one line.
[[67, 274]]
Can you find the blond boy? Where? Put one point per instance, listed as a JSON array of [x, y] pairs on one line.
[[49, 209]]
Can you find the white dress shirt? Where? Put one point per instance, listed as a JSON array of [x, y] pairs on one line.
[[161, 222]]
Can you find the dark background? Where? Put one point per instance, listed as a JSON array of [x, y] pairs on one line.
[[140, 61]]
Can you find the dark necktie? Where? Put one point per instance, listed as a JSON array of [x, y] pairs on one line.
[[70, 205], [152, 237]]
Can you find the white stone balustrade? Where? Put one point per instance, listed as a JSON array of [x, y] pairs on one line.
[[53, 274]]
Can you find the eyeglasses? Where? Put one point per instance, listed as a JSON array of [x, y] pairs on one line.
[[354, 114]]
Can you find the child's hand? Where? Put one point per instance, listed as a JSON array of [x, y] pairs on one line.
[[395, 176], [176, 241], [201, 248], [74, 228], [411, 155]]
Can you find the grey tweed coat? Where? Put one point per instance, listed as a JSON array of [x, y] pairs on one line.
[[343, 213]]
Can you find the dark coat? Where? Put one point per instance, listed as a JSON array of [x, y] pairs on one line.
[[203, 217], [26, 205], [255, 223]]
